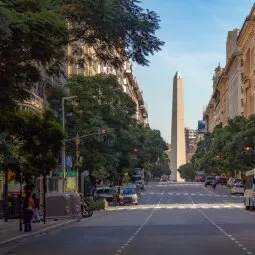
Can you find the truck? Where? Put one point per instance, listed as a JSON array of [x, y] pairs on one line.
[[138, 178]]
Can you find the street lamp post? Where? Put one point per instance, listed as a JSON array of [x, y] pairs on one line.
[[63, 154]]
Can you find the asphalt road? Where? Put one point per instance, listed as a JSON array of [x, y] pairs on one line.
[[170, 219]]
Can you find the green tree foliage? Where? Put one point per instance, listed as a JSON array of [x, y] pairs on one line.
[[161, 167], [228, 149], [101, 104], [34, 145], [34, 36], [29, 46], [187, 172]]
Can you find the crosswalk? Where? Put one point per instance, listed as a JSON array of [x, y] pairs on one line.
[[177, 206], [189, 194], [176, 184]]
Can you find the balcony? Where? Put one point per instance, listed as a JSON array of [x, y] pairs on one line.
[[128, 68]]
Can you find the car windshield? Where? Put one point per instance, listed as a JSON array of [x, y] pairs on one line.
[[105, 191], [127, 191]]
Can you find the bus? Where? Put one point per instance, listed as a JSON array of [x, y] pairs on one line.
[[249, 190]]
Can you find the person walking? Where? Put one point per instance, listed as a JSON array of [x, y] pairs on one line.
[[214, 184], [36, 216], [28, 205]]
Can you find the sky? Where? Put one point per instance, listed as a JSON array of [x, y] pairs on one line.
[[195, 33]]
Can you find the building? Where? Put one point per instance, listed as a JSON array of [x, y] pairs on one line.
[[234, 72], [92, 66], [227, 100], [190, 143], [131, 87], [178, 152], [246, 43]]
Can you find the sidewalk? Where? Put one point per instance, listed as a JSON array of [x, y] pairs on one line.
[[9, 231]]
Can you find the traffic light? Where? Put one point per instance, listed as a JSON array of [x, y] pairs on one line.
[[103, 135], [248, 149]]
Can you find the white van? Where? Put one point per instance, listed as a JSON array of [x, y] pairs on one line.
[[249, 190]]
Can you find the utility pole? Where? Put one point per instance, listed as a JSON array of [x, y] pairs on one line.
[[63, 149], [77, 162]]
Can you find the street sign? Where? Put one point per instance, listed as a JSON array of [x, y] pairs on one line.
[[69, 174]]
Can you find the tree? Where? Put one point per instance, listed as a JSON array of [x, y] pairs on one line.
[[35, 143], [225, 150], [111, 26], [101, 104], [31, 149], [35, 34], [187, 172], [28, 49]]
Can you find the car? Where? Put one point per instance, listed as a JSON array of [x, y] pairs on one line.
[[209, 180], [105, 192], [223, 180], [231, 182], [237, 189], [200, 178], [140, 184], [128, 195]]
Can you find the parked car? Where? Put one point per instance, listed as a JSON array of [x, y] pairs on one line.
[[223, 180], [209, 180], [107, 193], [140, 184], [231, 182], [237, 189], [200, 178], [128, 195]]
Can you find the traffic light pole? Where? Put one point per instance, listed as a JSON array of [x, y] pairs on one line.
[[77, 153]]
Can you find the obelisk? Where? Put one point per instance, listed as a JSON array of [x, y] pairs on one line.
[[178, 153]]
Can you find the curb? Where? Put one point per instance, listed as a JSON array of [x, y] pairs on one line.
[[37, 233]]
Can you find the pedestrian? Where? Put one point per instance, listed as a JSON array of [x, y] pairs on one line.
[[214, 183], [28, 206], [36, 216]]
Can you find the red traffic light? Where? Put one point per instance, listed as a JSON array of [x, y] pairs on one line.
[[104, 132], [248, 149], [136, 150]]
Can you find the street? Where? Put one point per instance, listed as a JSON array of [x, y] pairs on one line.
[[169, 219]]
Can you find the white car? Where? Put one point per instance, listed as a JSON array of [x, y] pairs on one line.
[[237, 189], [128, 195]]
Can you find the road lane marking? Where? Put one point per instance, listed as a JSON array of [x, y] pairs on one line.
[[141, 226], [219, 227]]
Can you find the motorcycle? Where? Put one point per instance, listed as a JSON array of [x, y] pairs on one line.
[[86, 210]]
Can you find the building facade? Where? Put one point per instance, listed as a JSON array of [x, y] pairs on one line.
[[92, 66], [190, 143], [246, 43], [190, 138], [227, 100]]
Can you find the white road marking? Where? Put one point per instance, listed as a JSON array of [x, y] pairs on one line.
[[141, 226], [219, 227]]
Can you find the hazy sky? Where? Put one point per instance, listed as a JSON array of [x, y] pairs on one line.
[[195, 33]]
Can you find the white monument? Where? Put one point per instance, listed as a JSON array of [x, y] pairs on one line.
[[178, 153]]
